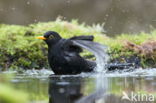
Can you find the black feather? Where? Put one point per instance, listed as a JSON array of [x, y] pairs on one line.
[[87, 38]]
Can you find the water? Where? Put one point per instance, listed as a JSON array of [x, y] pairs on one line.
[[84, 88]]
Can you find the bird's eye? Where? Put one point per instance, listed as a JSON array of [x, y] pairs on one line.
[[51, 36]]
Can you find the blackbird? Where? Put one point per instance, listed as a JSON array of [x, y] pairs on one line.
[[63, 54], [64, 58]]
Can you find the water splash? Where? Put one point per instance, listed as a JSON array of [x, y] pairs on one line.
[[101, 60], [98, 50]]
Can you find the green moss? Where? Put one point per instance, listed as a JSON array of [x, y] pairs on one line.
[[20, 49], [146, 61]]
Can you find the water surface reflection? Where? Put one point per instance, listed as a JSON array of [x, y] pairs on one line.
[[97, 88], [109, 90], [65, 90]]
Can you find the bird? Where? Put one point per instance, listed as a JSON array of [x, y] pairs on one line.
[[64, 55]]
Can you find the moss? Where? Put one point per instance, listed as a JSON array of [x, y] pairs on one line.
[[20, 49]]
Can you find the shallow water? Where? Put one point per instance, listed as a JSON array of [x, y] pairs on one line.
[[86, 88]]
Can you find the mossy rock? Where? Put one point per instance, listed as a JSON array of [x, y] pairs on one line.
[[19, 47]]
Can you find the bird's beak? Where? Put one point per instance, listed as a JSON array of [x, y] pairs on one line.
[[41, 37]]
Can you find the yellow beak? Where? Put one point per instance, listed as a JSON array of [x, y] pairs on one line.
[[41, 37]]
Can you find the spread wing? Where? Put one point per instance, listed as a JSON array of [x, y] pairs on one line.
[[70, 46], [71, 53], [86, 38], [74, 47], [73, 59]]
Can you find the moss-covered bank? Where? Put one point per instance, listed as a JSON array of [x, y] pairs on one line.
[[20, 49]]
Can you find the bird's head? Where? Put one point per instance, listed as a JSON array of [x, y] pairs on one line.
[[50, 37]]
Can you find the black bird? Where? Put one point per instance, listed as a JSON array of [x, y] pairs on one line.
[[63, 54], [64, 58]]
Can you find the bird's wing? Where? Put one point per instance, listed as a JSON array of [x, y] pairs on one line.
[[90, 46], [70, 46], [87, 38], [77, 45], [70, 53]]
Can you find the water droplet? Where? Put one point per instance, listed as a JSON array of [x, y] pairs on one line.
[[107, 15], [35, 20], [68, 1], [28, 2], [13, 8]]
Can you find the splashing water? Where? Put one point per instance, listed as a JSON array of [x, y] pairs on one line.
[[98, 50], [101, 60]]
